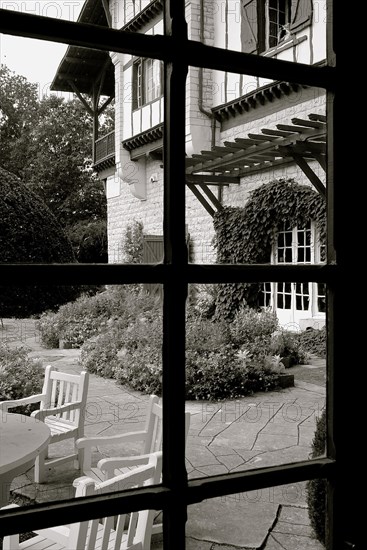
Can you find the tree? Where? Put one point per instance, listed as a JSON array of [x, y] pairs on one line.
[[49, 146], [18, 113], [30, 233]]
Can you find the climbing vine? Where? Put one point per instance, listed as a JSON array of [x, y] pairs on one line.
[[245, 235]]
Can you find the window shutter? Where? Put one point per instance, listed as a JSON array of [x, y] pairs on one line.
[[301, 14], [249, 30]]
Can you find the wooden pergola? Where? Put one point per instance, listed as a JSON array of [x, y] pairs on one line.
[[301, 142]]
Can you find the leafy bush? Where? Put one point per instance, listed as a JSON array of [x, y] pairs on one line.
[[20, 376], [287, 345], [133, 242], [203, 334], [89, 316], [201, 300], [99, 354], [314, 341], [215, 368], [30, 234], [140, 358], [252, 330], [316, 488], [89, 240], [224, 374]]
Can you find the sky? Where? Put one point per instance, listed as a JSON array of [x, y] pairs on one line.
[[37, 60]]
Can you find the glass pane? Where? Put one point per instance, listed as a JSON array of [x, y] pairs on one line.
[[115, 335], [278, 29], [247, 199], [57, 212], [255, 381], [145, 16], [271, 518], [94, 200]]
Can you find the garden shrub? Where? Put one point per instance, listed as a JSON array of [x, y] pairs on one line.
[[139, 363], [30, 234], [316, 488], [20, 376], [215, 368], [204, 334], [224, 374], [252, 330], [89, 316], [201, 300], [287, 345], [120, 333], [314, 341], [99, 354]]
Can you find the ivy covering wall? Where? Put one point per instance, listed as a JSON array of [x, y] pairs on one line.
[[246, 235]]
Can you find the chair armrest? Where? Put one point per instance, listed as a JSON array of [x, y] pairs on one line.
[[80, 479], [59, 534], [5, 405], [41, 414], [109, 465], [86, 444]]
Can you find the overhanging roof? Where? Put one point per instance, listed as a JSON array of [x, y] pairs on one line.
[[299, 142], [83, 66]]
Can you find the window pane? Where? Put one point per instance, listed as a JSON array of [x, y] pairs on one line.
[[249, 382], [276, 28], [145, 16], [275, 517], [248, 199], [113, 333]]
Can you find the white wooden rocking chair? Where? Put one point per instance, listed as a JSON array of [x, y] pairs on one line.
[[62, 408], [106, 533]]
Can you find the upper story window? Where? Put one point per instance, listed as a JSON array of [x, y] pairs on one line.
[[277, 14], [267, 23], [147, 81]]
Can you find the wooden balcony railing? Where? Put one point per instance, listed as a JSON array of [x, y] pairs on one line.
[[104, 148]]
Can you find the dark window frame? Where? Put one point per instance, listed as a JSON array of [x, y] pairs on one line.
[[176, 493], [255, 23]]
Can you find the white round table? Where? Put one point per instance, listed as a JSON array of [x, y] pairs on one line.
[[22, 438]]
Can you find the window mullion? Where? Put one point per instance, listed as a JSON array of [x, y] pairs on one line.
[[175, 287]]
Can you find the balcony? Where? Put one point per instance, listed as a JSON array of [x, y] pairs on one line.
[[104, 152]]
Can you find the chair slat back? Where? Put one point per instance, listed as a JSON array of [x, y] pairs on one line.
[[154, 428], [62, 388], [110, 531]]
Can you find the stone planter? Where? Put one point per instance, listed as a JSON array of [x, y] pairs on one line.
[[288, 361], [285, 380]]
